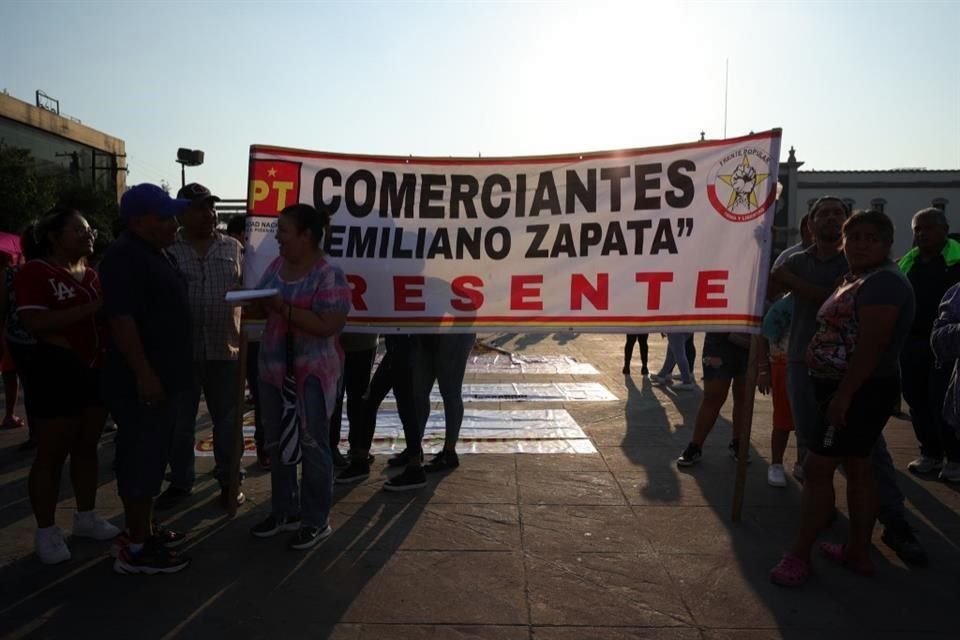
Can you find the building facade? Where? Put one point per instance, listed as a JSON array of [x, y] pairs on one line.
[[62, 145], [897, 192]]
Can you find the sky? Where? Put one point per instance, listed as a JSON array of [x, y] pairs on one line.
[[853, 85]]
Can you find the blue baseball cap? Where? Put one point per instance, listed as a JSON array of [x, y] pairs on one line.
[[145, 199]]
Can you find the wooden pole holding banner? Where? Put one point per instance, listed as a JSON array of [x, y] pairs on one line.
[[234, 486], [744, 450]]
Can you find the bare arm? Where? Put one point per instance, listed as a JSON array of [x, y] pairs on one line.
[[763, 365], [321, 325], [792, 282], [43, 321], [876, 330]]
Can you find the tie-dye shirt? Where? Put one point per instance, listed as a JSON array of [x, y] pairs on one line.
[[322, 290], [838, 322]]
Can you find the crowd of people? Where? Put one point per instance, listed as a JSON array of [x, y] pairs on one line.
[[149, 332], [846, 332]]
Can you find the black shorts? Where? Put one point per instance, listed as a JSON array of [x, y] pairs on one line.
[[56, 382], [723, 359], [143, 443], [870, 408]]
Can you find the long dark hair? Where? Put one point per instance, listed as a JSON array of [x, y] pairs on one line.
[[53, 223]]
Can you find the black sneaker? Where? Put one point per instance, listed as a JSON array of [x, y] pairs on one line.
[[161, 536], [340, 461], [411, 478], [442, 462], [626, 370], [225, 500], [690, 456], [899, 536], [351, 456], [309, 537], [644, 371], [402, 459], [168, 537], [152, 559], [734, 448], [171, 498], [274, 525], [357, 471]]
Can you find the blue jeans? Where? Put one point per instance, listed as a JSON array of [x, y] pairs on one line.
[[442, 358], [311, 497], [803, 402], [677, 357], [219, 382]]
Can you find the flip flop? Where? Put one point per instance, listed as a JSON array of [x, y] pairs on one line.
[[791, 571], [837, 553]]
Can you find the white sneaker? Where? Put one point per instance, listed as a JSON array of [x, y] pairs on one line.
[[685, 386], [93, 526], [951, 472], [776, 476], [924, 465], [659, 380], [798, 472], [50, 546]]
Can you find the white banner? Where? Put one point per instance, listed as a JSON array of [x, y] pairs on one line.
[[639, 240]]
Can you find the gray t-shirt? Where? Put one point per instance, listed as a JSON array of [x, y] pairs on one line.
[[889, 286], [819, 273]]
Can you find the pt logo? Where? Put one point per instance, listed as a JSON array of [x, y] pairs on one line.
[[61, 290], [737, 189], [274, 184]]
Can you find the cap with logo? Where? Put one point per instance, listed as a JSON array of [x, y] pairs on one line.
[[195, 192]]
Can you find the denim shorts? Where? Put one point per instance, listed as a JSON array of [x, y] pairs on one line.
[[56, 382], [870, 408], [723, 359], [143, 443]]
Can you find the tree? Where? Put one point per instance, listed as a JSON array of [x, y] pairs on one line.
[[26, 194]]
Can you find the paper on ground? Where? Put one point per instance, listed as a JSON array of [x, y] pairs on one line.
[[483, 431]]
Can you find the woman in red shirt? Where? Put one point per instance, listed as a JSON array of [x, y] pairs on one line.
[[58, 298]]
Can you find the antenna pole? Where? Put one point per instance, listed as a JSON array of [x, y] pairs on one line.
[[726, 87]]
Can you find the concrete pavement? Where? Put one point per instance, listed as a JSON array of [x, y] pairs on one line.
[[618, 544]]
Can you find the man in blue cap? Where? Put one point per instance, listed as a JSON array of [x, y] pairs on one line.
[[148, 368]]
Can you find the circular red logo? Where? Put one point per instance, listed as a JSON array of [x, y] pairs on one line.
[[738, 189]]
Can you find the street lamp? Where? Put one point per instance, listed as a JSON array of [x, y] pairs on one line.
[[188, 158]]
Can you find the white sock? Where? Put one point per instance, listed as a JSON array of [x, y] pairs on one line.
[[86, 517], [46, 532], [135, 548]]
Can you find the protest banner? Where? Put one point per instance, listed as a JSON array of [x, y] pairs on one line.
[[657, 239]]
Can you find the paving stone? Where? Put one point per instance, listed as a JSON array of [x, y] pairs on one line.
[[434, 527], [615, 633], [443, 588], [569, 487], [557, 528], [428, 632], [595, 589]]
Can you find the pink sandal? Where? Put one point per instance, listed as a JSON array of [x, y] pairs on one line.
[[837, 553], [791, 571]]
